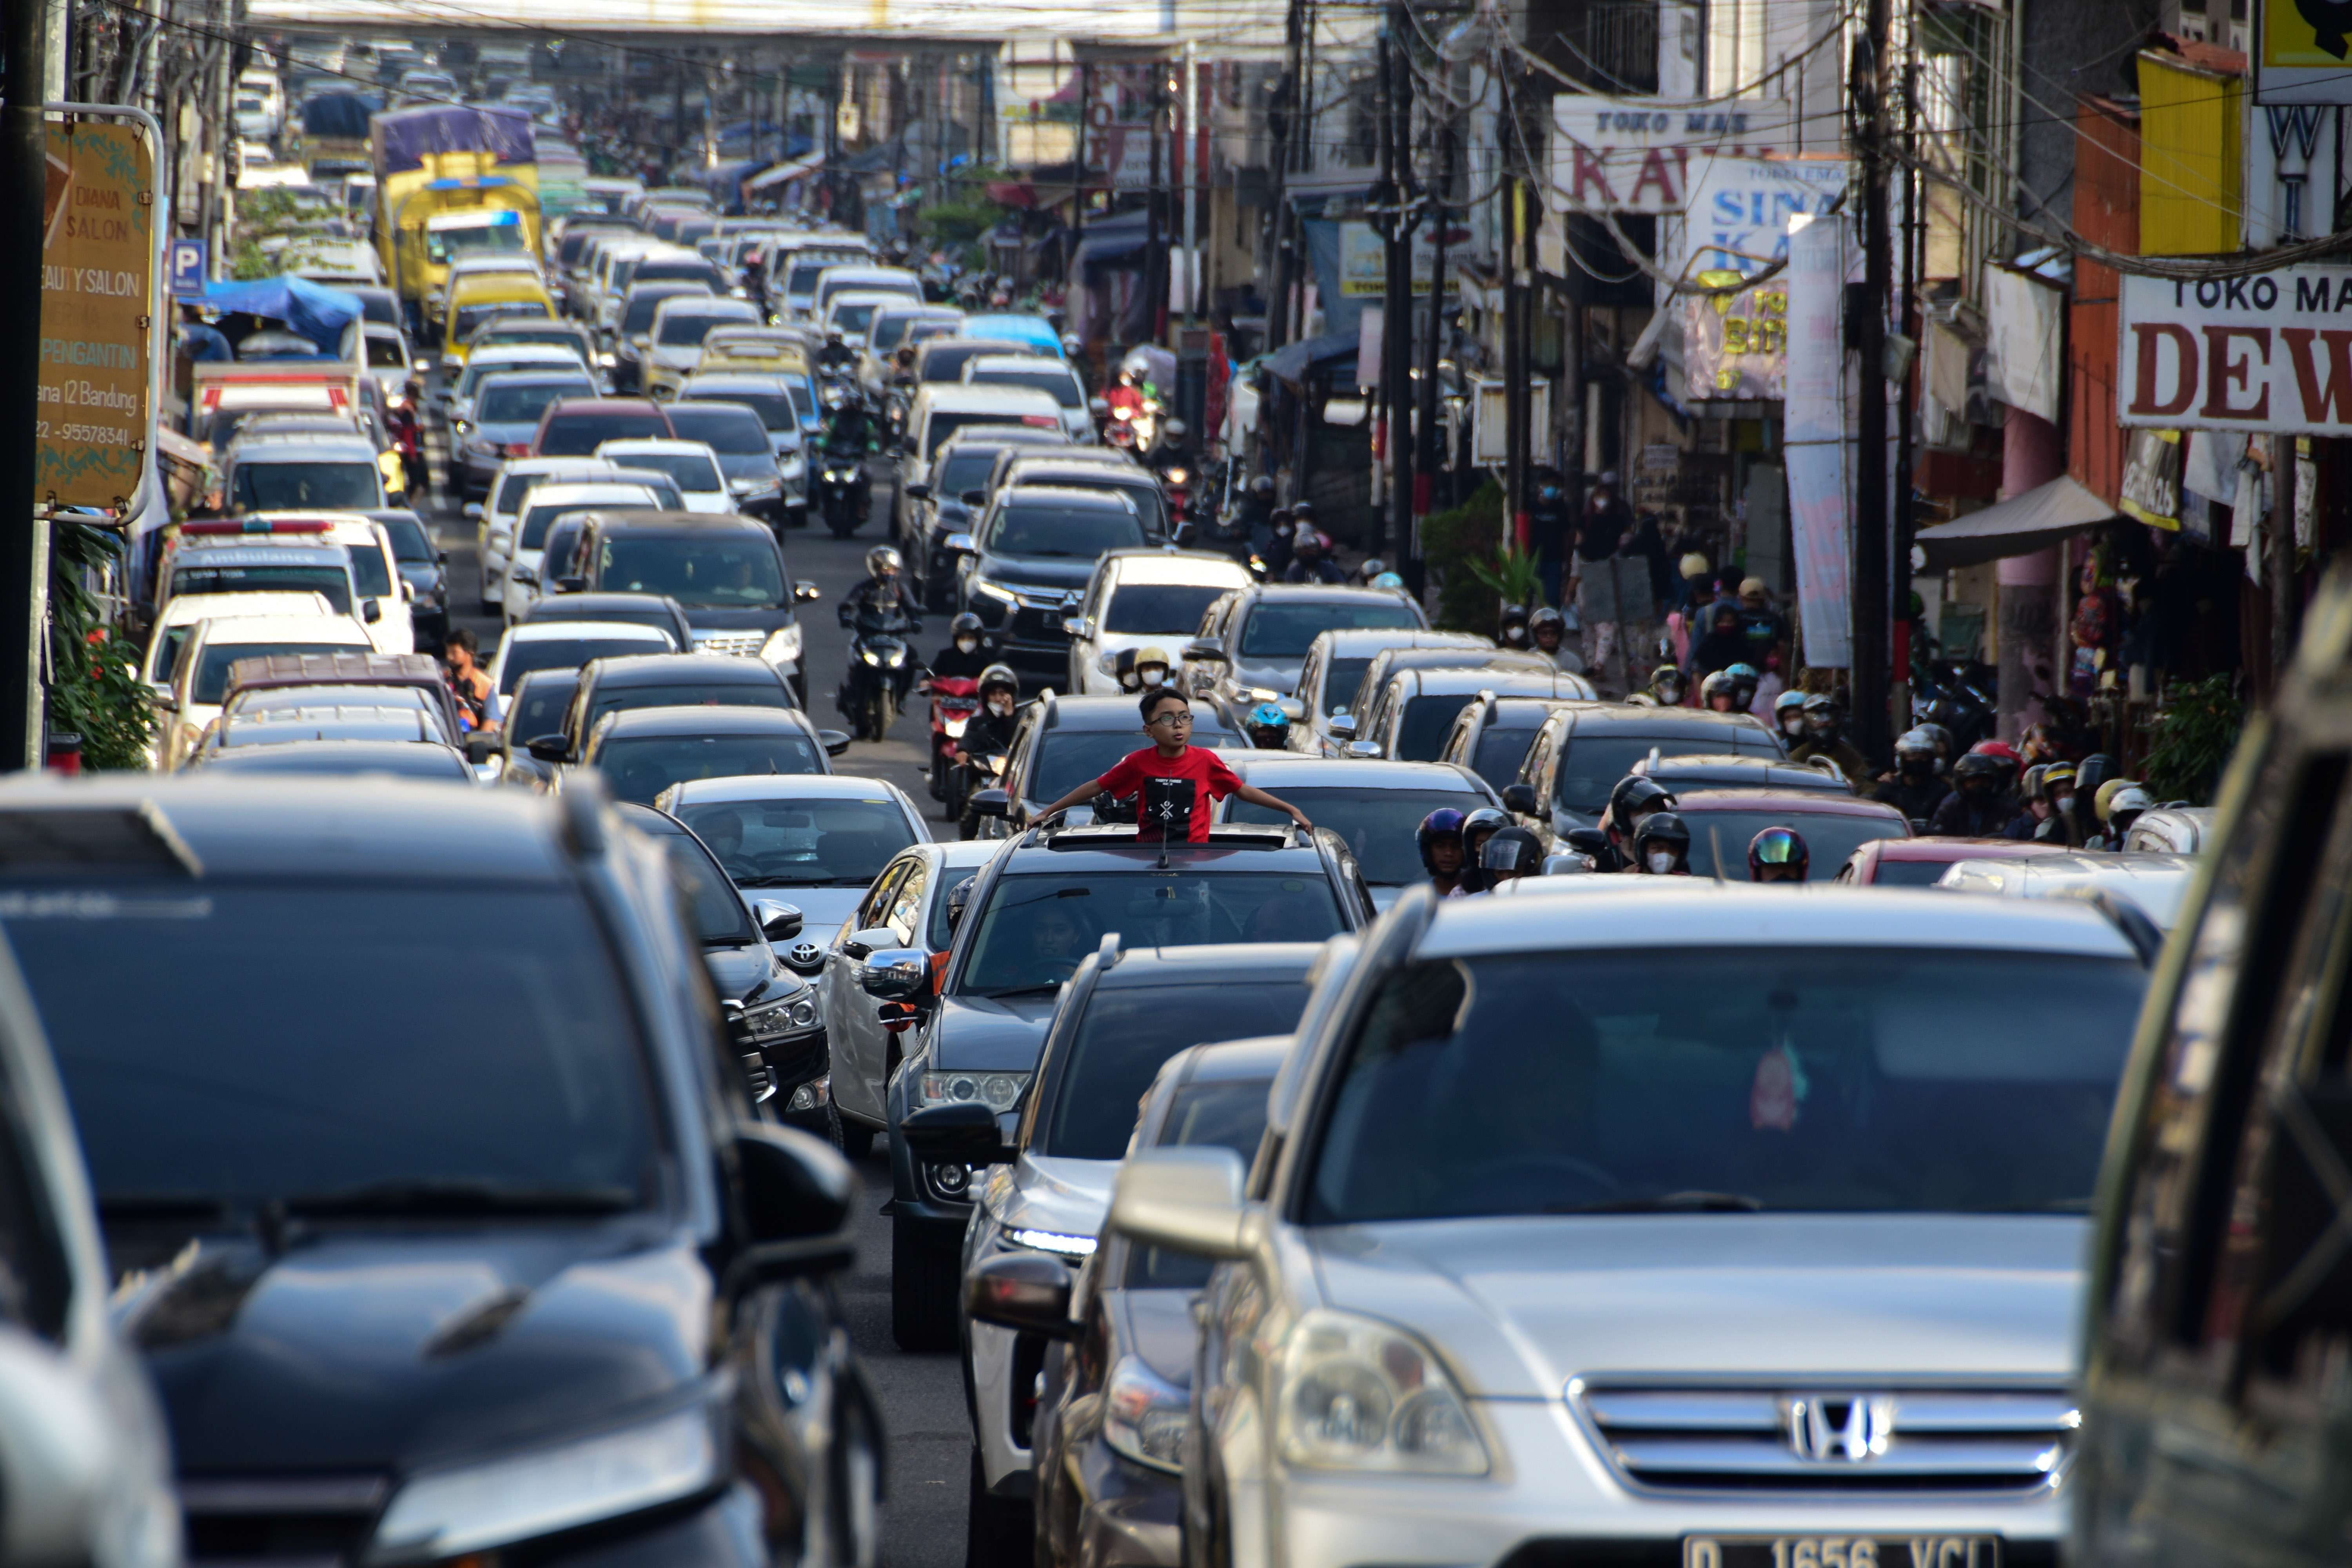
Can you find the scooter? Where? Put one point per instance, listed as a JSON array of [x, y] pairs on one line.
[[844, 491], [954, 699], [980, 774], [881, 668]]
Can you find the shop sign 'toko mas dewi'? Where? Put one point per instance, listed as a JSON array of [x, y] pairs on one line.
[[2270, 351]]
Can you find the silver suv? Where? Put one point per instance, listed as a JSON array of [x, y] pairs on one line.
[[1554, 1256]]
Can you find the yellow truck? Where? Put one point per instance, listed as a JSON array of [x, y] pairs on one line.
[[450, 180]]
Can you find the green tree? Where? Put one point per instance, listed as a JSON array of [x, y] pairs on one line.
[[94, 687]]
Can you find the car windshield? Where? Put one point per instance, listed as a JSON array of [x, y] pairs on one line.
[[566, 653], [689, 470], [409, 540], [1340, 685], [331, 580], [245, 1095], [639, 767], [775, 410], [1593, 765], [1046, 529], [1226, 1114], [613, 698], [370, 575], [1421, 732], [1719, 839], [679, 271], [1129, 1034], [826, 842], [891, 330], [333, 756], [538, 520], [1038, 926], [725, 428], [1277, 630], [539, 704], [465, 319], [853, 319], [1501, 753], [1810, 1079], [1053, 379], [1065, 759], [386, 353], [944, 424], [1378, 826], [683, 328], [637, 315], [508, 402], [481, 368], [307, 486], [547, 336], [576, 435], [1893, 873], [211, 682], [1172, 608], [716, 573], [964, 468], [1150, 504], [377, 306]]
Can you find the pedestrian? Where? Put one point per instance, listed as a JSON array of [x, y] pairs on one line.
[[1177, 782], [1606, 529], [1551, 520]]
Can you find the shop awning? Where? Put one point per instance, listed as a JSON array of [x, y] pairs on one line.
[[2018, 526], [1292, 363], [779, 173]]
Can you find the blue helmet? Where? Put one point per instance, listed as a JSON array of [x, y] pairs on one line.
[[1269, 714], [1389, 580], [1443, 823]]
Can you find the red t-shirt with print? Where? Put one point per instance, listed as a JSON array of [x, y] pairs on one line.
[[1177, 805]]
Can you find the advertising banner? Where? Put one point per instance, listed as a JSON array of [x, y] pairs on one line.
[[2273, 352], [1644, 155], [1734, 346], [1815, 423], [99, 266]]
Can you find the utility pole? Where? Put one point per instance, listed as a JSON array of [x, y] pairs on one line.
[[1396, 314], [1078, 168], [1155, 221], [1290, 98], [1433, 438], [1867, 104], [1189, 256], [1515, 362], [2278, 554], [1913, 324], [23, 555]]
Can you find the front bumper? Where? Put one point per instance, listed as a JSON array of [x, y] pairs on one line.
[[1128, 1518], [1550, 1501], [913, 1199]]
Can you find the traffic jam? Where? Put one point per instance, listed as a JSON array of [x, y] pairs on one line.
[[771, 918]]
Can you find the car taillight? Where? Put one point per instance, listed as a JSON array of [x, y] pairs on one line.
[[518, 448]]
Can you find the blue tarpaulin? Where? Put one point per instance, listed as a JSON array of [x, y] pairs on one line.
[[311, 310], [1034, 330]]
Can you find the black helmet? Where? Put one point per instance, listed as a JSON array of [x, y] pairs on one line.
[[1637, 793], [2092, 771], [1487, 821], [1514, 618], [1939, 738], [1667, 682], [958, 897], [1000, 675], [1720, 684], [1914, 748], [1513, 851], [965, 624], [1443, 823], [1662, 830], [1778, 846], [1302, 510], [1977, 765], [881, 560], [1262, 486]]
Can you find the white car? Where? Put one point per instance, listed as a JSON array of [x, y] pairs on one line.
[[1047, 376], [564, 645], [495, 517], [200, 679], [691, 465], [1144, 598], [672, 346], [385, 602], [483, 363], [181, 612], [541, 505]]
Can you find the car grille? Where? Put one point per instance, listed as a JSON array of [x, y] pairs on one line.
[[735, 645], [285, 1522], [1834, 1439], [1040, 625]]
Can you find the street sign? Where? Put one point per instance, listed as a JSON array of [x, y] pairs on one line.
[[187, 269], [99, 296], [1642, 154]]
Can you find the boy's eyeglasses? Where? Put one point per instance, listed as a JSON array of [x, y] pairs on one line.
[[1172, 719]]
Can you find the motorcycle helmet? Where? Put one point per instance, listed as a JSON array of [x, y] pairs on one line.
[[1662, 833], [2039, 743], [1443, 823], [1667, 682], [2124, 808], [1268, 726], [1388, 580], [2028, 783], [1302, 511], [1478, 826], [1072, 346], [2093, 772], [959, 898], [1547, 617], [1147, 656], [1282, 520], [1745, 678], [1978, 774], [1372, 567], [999, 674], [1721, 685], [2103, 799], [1511, 627], [1939, 738], [1822, 714], [1308, 542], [1635, 794], [2058, 785], [966, 625], [883, 562], [1510, 853], [1779, 847], [2000, 752], [1262, 486], [1789, 713], [832, 334]]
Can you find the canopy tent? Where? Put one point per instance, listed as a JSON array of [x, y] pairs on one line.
[[2018, 526], [1294, 362], [310, 309], [1106, 240], [404, 138]]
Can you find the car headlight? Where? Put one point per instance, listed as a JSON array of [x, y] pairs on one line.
[[751, 490], [1144, 1416], [526, 1496], [1060, 1243], [989, 590], [813, 1095], [792, 464], [607, 361], [783, 645], [997, 1090], [786, 1016], [1357, 1394]]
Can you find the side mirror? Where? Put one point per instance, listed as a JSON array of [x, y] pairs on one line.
[[859, 943], [1364, 751], [919, 492], [796, 1196], [991, 802], [1202, 651], [1293, 709], [166, 703], [778, 922], [1520, 799], [370, 610], [1343, 726], [834, 742], [480, 747], [550, 748], [1590, 841], [964, 1133], [1079, 626], [961, 544], [893, 975], [807, 592], [1098, 406], [1021, 1290], [571, 585], [1184, 1197], [471, 511], [975, 498]]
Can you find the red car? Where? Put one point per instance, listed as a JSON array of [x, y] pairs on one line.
[[576, 426], [1832, 825], [1920, 862]]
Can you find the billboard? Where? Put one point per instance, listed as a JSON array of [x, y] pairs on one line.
[[2272, 351], [1734, 345], [99, 266], [2302, 52], [1643, 154]]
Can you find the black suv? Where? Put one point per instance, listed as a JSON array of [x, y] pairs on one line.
[[1036, 912], [432, 1173], [1029, 561]]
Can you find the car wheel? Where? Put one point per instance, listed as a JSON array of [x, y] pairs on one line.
[[925, 1271], [997, 1530]]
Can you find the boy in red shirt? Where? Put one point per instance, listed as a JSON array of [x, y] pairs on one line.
[[1178, 783]]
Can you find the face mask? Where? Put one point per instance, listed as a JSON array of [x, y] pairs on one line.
[[2062, 802], [1152, 675], [1793, 724], [1000, 705], [1661, 861], [1516, 635], [965, 645]]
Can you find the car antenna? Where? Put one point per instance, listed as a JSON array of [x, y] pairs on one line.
[[1715, 843]]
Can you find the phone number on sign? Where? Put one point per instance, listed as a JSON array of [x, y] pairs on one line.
[[95, 435]]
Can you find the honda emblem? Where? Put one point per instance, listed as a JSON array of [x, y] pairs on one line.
[[1838, 1428]]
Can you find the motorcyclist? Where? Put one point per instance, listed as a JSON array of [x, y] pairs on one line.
[[1508, 855], [1477, 827], [882, 590], [2064, 824], [1665, 689], [1137, 667], [1915, 788], [1789, 718], [1822, 722], [1662, 846], [1269, 727], [1511, 627], [1254, 511], [1548, 629], [1978, 807], [1745, 678], [1945, 747], [1778, 855], [1720, 693], [848, 427], [836, 354], [991, 730], [1372, 566], [1310, 559], [1635, 797], [1390, 580], [963, 658], [2120, 810], [2011, 765], [1440, 840], [1271, 543]]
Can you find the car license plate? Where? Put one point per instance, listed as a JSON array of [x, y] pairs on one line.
[[1841, 1552]]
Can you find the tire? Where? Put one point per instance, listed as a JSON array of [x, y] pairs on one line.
[[841, 517], [857, 1139], [936, 777], [924, 1273], [878, 708], [999, 1532]]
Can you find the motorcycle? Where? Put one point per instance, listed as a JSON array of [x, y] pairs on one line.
[[981, 772], [881, 668], [1176, 485], [844, 491], [954, 699]]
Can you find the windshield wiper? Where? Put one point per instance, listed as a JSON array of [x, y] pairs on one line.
[[461, 1198], [1018, 991], [775, 879], [160, 1207], [1666, 1203]]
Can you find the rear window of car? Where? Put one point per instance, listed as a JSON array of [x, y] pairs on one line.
[[578, 434], [1277, 630], [1039, 925], [1590, 766], [565, 653], [1127, 1036], [523, 404], [1144, 608], [731, 429], [1719, 839]]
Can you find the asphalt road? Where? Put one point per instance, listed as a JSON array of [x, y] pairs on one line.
[[929, 1433]]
